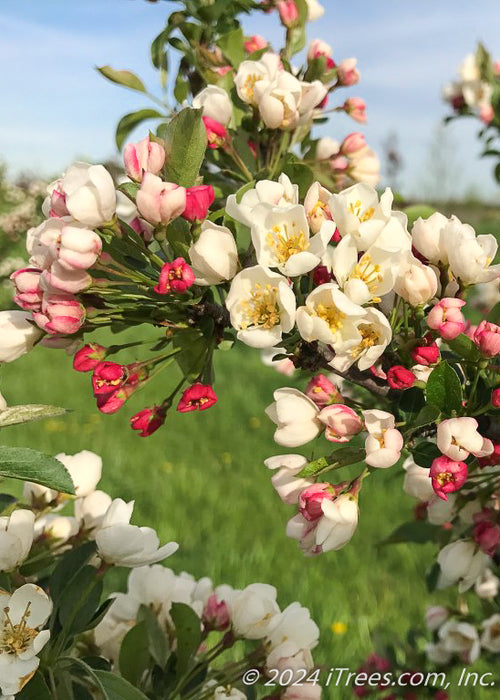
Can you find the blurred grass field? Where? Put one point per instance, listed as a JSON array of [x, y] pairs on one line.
[[201, 481]]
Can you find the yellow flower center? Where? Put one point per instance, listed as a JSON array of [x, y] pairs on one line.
[[14, 639], [369, 338], [285, 243], [262, 308], [331, 315], [248, 88], [356, 209], [369, 273]]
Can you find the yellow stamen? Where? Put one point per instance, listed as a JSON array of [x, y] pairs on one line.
[[332, 315], [285, 243], [262, 308], [369, 338], [14, 639], [248, 88], [368, 272], [355, 208]]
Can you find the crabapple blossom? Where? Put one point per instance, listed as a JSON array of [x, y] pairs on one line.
[[285, 480], [435, 616], [307, 690], [18, 334], [355, 107], [261, 306], [487, 585], [85, 192], [316, 207], [400, 378], [148, 421], [429, 237], [158, 201], [461, 562], [16, 538], [487, 338], [251, 73], [490, 638], [197, 397], [85, 470], [417, 482], [88, 357], [358, 211], [416, 283], [440, 512], [228, 693], [447, 476], [293, 625], [215, 103], [470, 257], [314, 10], [286, 657], [296, 418], [457, 437], [28, 290], [318, 47], [322, 391], [145, 156], [373, 335], [56, 527], [288, 12], [279, 101], [364, 166], [384, 443], [284, 366], [255, 43], [326, 148], [175, 277], [347, 72], [280, 194], [252, 611], [446, 318], [460, 638], [60, 279], [60, 314], [495, 398], [312, 497], [214, 256], [91, 509], [199, 199], [353, 143], [341, 422], [216, 133], [428, 354], [331, 531]]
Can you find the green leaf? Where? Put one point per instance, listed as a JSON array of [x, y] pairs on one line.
[[129, 121], [412, 401], [232, 46], [122, 77], [444, 389], [417, 531], [159, 647], [29, 465], [129, 189], [464, 347], [432, 577], [181, 87], [299, 173], [69, 565], [187, 628], [117, 688], [79, 600], [14, 415], [36, 689], [342, 457], [185, 146], [159, 56], [6, 500], [429, 414], [424, 453], [193, 347], [134, 653]]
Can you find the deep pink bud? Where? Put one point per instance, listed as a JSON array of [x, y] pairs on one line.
[[198, 396], [216, 133], [495, 398], [447, 476], [321, 275], [148, 420], [398, 377], [146, 156], [447, 318], [487, 338], [114, 400], [322, 391], [89, 357], [426, 354], [176, 276], [216, 614], [347, 72], [355, 107], [486, 533], [311, 498], [107, 377], [255, 43], [198, 202], [288, 12]]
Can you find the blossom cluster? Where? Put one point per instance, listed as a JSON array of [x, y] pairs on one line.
[[472, 92]]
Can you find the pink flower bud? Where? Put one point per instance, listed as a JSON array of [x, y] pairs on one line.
[[447, 476], [400, 378], [288, 12], [176, 276], [28, 291], [426, 354], [355, 107], [255, 43], [487, 338], [486, 112], [311, 498], [492, 459], [142, 228], [60, 314], [108, 377], [78, 247], [322, 391], [148, 420], [321, 275], [146, 156], [114, 400], [198, 396], [495, 398], [446, 318], [341, 422], [216, 133], [216, 614], [352, 143], [486, 531], [198, 201], [158, 201], [86, 359], [347, 72]]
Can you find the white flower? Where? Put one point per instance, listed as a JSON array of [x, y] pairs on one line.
[[417, 482], [314, 10], [458, 437], [460, 638], [42, 242], [358, 211], [284, 366], [18, 334], [296, 417], [87, 192], [281, 239], [440, 512], [312, 94], [294, 625], [422, 372], [461, 562], [470, 258], [326, 148], [285, 480], [16, 538], [251, 73], [215, 103], [490, 639], [261, 306], [487, 585], [469, 69], [22, 614], [384, 443], [435, 615], [253, 610], [214, 256], [338, 522], [375, 334], [429, 237], [228, 693], [368, 278], [286, 657], [416, 283], [90, 511], [330, 317], [437, 653], [57, 527], [122, 544], [85, 470], [280, 194], [302, 691], [316, 207], [279, 101]]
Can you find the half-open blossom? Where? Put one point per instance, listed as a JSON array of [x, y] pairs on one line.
[[60, 279], [214, 255], [293, 625], [108, 376], [427, 354], [16, 538], [216, 133], [470, 257], [197, 397], [316, 206], [114, 400], [285, 481], [199, 199], [159, 202], [215, 103], [28, 290], [88, 357], [457, 437], [487, 338], [417, 482], [447, 476], [416, 283], [148, 420], [280, 194], [355, 107], [384, 443], [250, 73], [342, 423], [60, 314], [175, 277], [145, 156], [279, 102], [400, 378], [216, 615], [429, 237], [447, 318], [347, 72], [461, 562], [311, 498], [253, 609], [296, 417], [77, 247], [352, 143], [322, 391]]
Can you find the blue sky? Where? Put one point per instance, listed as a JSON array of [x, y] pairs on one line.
[[56, 107]]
